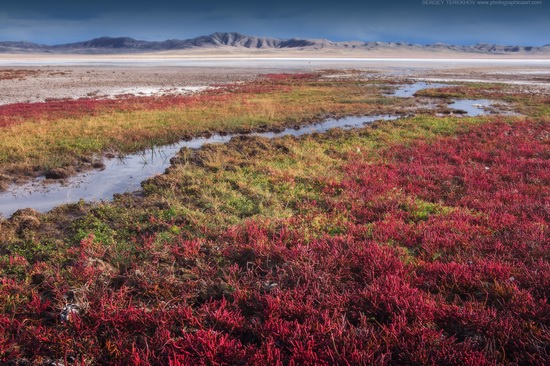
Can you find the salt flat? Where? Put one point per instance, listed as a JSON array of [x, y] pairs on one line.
[[77, 76]]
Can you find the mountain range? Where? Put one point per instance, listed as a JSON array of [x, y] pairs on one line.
[[233, 40]]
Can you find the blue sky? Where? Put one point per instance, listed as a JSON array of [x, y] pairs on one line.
[[414, 21]]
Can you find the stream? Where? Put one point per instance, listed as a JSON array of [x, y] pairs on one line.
[[125, 175]]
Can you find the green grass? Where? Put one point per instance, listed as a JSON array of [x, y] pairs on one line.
[[222, 185], [173, 245], [37, 145]]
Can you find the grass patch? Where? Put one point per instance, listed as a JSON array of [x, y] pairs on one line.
[[47, 140], [415, 241]]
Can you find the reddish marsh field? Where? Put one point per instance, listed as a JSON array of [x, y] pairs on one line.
[[418, 241]]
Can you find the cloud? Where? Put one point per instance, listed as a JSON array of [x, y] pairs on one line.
[[83, 10], [64, 21]]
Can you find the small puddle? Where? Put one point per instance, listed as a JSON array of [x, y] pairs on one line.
[[126, 175], [472, 107], [408, 90]]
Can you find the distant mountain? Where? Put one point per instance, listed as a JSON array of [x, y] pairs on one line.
[[21, 47], [218, 39], [109, 45]]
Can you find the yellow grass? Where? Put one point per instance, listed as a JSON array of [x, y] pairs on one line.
[[39, 145]]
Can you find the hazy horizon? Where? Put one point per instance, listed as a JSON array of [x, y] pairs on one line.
[[251, 35], [421, 21]]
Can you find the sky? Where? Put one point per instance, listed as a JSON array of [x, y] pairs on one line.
[[414, 21]]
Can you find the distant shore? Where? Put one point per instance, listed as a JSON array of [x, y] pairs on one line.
[[236, 53]]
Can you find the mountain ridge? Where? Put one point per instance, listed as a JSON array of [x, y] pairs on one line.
[[111, 45]]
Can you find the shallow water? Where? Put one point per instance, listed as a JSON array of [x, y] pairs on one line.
[[126, 175], [408, 90], [472, 107]]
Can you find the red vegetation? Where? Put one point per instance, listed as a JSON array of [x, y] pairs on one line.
[[16, 113], [19, 74], [436, 253], [46, 111], [294, 76]]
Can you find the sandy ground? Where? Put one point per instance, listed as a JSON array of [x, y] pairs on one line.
[[42, 77], [53, 82]]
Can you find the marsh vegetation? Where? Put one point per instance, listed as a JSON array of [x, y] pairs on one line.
[[422, 240]]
